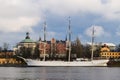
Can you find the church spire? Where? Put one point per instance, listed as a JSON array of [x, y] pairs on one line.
[[66, 38], [39, 38]]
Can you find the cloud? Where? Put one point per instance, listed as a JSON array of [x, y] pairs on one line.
[[111, 10], [23, 15], [65, 7], [98, 31], [108, 9], [18, 15], [19, 24]]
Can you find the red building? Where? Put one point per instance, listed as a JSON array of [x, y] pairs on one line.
[[56, 48]]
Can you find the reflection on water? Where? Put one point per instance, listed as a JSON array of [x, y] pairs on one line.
[[59, 73]]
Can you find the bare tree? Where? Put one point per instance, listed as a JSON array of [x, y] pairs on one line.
[[5, 48], [77, 48]]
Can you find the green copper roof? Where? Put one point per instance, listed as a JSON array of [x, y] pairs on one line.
[[27, 41]]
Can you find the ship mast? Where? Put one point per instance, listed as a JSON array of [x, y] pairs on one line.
[[69, 37], [92, 51], [44, 42], [45, 31]]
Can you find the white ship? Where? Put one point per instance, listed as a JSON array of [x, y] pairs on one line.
[[38, 63], [76, 63]]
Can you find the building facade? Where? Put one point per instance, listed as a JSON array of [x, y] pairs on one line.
[[106, 52], [26, 47], [53, 48]]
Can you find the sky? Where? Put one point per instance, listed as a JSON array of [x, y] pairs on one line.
[[20, 16]]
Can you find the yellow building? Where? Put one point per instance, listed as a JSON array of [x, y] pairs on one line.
[[105, 53], [110, 54]]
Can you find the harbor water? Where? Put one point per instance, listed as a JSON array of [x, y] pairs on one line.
[[59, 73]]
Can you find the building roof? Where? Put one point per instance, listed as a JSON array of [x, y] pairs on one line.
[[108, 44], [27, 41]]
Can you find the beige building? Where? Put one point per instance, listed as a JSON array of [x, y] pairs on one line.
[[26, 43]]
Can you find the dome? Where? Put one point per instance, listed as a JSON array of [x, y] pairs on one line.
[[27, 39]]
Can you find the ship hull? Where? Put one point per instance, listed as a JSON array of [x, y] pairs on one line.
[[94, 63]]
